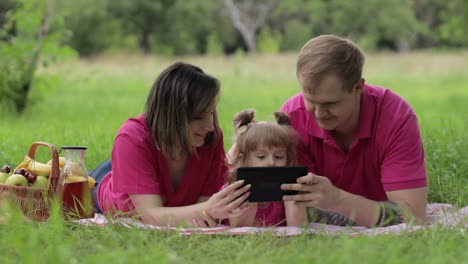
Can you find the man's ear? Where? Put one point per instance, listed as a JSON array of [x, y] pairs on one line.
[[359, 85]]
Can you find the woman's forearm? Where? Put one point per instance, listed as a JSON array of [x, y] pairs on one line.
[[171, 216]]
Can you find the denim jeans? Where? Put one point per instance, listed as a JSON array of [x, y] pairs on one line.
[[98, 174]]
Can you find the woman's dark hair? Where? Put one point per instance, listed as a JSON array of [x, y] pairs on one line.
[[181, 93]]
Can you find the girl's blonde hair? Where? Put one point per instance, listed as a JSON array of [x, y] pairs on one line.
[[250, 135]]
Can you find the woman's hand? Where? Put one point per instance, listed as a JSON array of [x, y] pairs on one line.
[[229, 202], [314, 191]]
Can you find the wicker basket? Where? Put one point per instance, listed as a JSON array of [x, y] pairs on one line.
[[35, 202]]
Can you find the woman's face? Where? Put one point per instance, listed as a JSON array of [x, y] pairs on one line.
[[200, 126], [267, 157]]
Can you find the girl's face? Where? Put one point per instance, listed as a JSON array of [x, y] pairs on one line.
[[201, 126], [267, 157]]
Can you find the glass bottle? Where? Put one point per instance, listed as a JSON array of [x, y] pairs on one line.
[[77, 199]]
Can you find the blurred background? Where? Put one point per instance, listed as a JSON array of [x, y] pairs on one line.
[[187, 27], [41, 32], [181, 27]]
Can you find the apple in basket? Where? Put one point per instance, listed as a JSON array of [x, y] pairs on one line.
[[17, 180], [3, 177], [41, 182], [4, 173]]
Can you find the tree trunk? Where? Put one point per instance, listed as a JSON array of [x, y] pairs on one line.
[[249, 18], [21, 100], [145, 42], [250, 41]]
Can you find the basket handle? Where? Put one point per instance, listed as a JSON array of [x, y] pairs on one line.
[[55, 173]]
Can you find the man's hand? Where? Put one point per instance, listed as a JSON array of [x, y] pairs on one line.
[[314, 191]]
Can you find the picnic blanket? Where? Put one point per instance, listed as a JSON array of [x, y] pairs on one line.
[[438, 214]]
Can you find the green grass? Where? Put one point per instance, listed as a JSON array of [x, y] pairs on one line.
[[85, 102]]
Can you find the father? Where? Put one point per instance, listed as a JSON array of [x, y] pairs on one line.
[[361, 142]]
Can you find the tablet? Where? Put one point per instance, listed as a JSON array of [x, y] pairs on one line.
[[266, 181]]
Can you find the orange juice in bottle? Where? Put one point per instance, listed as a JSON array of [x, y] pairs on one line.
[[77, 198]]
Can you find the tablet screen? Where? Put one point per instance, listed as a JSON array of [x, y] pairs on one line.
[[266, 181]]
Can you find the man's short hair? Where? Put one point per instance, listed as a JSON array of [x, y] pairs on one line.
[[329, 54]]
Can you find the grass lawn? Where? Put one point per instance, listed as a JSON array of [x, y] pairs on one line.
[[85, 102]]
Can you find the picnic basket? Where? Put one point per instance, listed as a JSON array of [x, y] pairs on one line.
[[35, 203]]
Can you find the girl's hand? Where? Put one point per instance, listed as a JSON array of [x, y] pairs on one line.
[[241, 212], [296, 215], [246, 218], [203, 219], [229, 202], [231, 155]]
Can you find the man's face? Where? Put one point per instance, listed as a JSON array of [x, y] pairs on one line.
[[335, 107]]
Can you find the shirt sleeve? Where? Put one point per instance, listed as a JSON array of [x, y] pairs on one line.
[[218, 170], [133, 170], [403, 164]]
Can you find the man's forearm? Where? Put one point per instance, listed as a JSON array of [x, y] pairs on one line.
[[327, 217], [362, 211], [365, 212]]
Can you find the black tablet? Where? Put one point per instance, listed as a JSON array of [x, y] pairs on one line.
[[266, 181]]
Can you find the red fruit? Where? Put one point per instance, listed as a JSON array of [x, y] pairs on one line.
[[6, 169], [21, 171], [30, 176]]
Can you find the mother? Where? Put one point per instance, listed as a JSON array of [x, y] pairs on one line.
[[168, 163]]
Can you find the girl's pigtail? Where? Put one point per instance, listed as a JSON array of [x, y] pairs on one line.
[[242, 120], [282, 118]]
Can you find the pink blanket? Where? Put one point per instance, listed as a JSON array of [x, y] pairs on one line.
[[438, 214]]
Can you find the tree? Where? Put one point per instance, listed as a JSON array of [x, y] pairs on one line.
[[444, 22], [374, 22], [300, 20], [248, 17], [143, 18], [9, 27], [20, 55], [94, 29]]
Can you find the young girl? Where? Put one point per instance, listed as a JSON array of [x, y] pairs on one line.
[[263, 144]]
